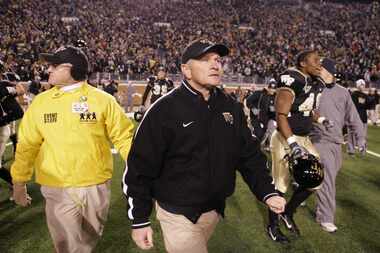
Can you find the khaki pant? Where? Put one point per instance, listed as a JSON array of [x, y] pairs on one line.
[[183, 236], [280, 168], [76, 216]]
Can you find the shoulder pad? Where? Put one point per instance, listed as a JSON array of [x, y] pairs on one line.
[[295, 74], [292, 79]]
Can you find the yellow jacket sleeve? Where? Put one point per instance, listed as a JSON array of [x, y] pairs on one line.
[[28, 146], [119, 127]]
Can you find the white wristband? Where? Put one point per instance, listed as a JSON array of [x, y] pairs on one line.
[[321, 119], [291, 139]]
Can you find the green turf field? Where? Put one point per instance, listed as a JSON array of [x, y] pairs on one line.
[[242, 231]]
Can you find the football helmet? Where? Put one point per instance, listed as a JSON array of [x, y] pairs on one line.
[[307, 171]]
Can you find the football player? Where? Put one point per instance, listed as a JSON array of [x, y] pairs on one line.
[[297, 95], [157, 87], [262, 113], [10, 111]]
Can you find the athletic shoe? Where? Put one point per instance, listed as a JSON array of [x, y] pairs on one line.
[[289, 223], [276, 235], [329, 227]]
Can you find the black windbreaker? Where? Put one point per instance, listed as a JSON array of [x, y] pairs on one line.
[[186, 151], [10, 109]]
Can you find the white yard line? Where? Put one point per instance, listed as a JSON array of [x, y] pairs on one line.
[[114, 151], [373, 153]]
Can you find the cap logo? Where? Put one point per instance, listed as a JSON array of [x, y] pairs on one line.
[[228, 117]]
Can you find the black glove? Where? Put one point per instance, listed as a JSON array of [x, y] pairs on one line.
[[297, 151]]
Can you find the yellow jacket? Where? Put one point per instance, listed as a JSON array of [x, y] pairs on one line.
[[66, 137]]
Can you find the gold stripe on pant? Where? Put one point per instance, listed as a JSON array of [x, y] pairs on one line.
[[76, 216], [183, 236]]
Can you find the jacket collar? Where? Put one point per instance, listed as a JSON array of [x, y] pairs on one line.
[[190, 90], [72, 87], [81, 87]]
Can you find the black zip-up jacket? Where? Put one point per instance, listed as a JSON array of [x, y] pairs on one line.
[[185, 154], [10, 109]]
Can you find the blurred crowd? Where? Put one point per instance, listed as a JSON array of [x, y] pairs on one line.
[[129, 38]]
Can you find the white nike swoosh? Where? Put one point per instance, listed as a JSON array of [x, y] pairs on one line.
[[187, 124]]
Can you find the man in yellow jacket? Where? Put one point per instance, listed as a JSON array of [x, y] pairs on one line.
[[65, 138]]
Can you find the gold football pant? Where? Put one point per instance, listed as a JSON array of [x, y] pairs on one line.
[[279, 149]]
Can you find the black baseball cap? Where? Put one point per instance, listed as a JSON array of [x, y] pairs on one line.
[[199, 47], [329, 65], [68, 54]]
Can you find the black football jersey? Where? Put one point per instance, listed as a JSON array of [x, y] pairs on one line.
[[157, 87], [306, 91]]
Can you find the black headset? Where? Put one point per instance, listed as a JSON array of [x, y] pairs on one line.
[[79, 73]]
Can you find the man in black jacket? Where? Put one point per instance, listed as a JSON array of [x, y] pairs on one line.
[[185, 155], [10, 110], [262, 103]]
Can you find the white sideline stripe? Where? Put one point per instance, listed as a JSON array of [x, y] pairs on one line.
[[373, 153], [114, 151]]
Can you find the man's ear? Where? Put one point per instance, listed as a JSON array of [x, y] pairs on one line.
[[186, 71]]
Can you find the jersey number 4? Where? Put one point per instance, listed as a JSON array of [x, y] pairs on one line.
[[308, 105]]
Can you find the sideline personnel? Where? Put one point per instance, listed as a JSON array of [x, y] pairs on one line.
[[185, 155], [65, 136]]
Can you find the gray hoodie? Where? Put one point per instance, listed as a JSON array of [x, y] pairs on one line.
[[336, 105]]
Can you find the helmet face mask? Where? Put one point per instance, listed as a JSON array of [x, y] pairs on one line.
[[307, 172]]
